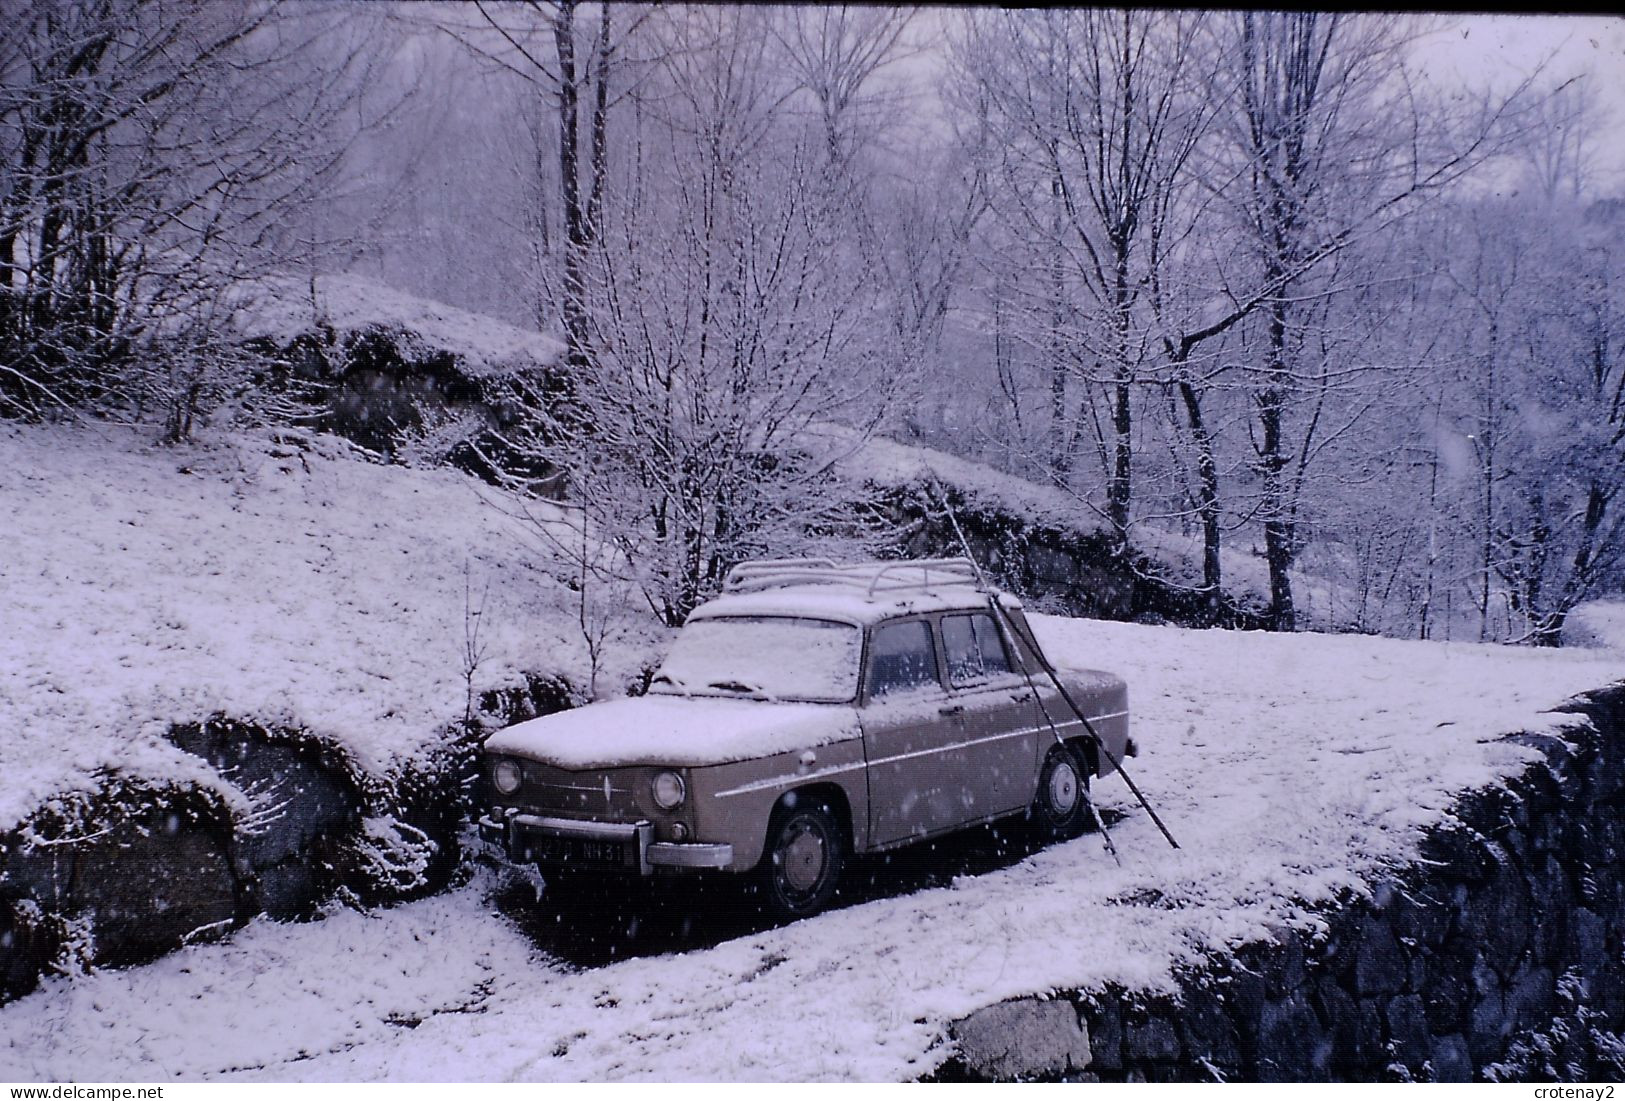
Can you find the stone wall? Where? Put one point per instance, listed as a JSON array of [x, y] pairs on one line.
[[113, 879], [1497, 955], [135, 870]]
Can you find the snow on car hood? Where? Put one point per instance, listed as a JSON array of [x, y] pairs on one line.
[[674, 730]]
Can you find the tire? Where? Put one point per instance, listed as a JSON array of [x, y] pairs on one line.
[[802, 863], [1060, 809]]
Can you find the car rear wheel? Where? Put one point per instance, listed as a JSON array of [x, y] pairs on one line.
[[1061, 807], [801, 866]]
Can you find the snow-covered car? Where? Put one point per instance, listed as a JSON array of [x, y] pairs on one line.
[[810, 712]]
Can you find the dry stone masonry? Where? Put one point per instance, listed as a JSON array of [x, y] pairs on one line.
[[1496, 955]]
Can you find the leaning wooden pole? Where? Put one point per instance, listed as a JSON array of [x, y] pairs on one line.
[[1028, 643]]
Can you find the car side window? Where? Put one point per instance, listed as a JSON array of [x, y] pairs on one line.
[[975, 650], [901, 658]]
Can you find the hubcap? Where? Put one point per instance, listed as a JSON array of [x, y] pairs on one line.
[[1063, 789], [801, 860]]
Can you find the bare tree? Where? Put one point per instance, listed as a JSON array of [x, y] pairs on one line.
[[1559, 152], [1331, 143], [153, 156], [731, 325], [1106, 109], [1575, 529], [909, 201], [583, 61], [1545, 412], [835, 53]]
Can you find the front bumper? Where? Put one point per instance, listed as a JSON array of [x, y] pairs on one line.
[[626, 847]]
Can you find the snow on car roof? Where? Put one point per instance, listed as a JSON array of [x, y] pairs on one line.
[[856, 592], [843, 605]]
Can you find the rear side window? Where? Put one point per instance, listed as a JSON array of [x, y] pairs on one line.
[[901, 658], [975, 651]]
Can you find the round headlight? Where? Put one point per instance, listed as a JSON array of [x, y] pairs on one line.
[[507, 776], [668, 790]]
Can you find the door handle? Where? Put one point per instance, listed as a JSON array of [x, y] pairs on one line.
[[951, 709]]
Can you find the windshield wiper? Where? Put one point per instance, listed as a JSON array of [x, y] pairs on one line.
[[739, 686], [675, 682]]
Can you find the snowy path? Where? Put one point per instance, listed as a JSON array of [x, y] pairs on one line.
[[1288, 767]]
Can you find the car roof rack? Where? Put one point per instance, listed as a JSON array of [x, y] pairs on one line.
[[873, 579]]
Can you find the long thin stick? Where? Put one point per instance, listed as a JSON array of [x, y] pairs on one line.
[[1004, 617], [1016, 647]]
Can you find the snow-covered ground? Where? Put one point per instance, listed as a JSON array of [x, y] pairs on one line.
[[283, 582], [1291, 768], [1599, 623]]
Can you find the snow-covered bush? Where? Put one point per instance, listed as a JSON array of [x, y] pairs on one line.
[[387, 859]]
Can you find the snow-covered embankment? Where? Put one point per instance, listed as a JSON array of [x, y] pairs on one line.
[[231, 668], [1298, 772]]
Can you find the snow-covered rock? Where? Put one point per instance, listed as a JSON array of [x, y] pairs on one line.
[[282, 310], [1056, 547]]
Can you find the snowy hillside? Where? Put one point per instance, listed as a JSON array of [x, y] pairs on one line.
[[1177, 558], [1291, 768], [888, 463], [285, 582]]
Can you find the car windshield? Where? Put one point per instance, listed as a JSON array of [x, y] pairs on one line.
[[771, 657]]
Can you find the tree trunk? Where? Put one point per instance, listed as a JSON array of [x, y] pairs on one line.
[[1119, 487], [1485, 445], [1207, 505], [1060, 438], [575, 232], [1278, 533]]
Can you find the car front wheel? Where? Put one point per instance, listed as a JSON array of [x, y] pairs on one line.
[[801, 867], [1061, 807]]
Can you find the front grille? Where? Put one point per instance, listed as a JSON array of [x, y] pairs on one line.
[[607, 794]]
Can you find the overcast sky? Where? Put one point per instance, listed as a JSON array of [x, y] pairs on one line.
[[1504, 49], [1510, 46], [1478, 50]]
